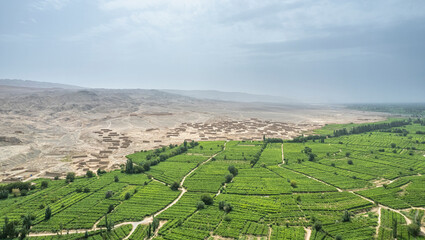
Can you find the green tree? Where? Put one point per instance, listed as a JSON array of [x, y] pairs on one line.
[[26, 225], [127, 196], [9, 229], [129, 166], [70, 177], [116, 179], [228, 178], [413, 229], [395, 228], [233, 170], [48, 213], [109, 194], [207, 199], [89, 174], [200, 205], [44, 184], [111, 208], [108, 223], [317, 227], [346, 216], [175, 186]]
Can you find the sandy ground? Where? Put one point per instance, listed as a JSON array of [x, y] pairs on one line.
[[46, 133]]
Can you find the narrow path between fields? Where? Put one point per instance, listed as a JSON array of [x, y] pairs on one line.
[[307, 233], [283, 156], [145, 221], [379, 222]]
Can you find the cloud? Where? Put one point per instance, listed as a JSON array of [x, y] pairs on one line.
[[49, 4]]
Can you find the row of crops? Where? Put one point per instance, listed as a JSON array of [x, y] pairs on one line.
[[317, 183]]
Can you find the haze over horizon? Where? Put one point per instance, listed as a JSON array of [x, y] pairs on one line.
[[316, 51]]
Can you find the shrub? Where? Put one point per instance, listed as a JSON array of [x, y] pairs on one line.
[[393, 145], [207, 199], [347, 154], [227, 218], [78, 190], [56, 178], [293, 184], [116, 179], [86, 190], [350, 162]]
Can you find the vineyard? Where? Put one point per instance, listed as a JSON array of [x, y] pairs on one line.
[[368, 185]]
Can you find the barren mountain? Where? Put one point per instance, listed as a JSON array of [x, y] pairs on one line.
[[47, 132]]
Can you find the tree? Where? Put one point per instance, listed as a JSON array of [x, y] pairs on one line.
[[175, 186], [413, 229], [111, 208], [233, 170], [346, 216], [100, 171], [200, 205], [86, 190], [26, 225], [4, 194], [347, 154], [108, 223], [116, 179], [393, 145], [228, 178], [109, 194], [293, 184], [89, 174], [129, 166], [395, 228], [48, 213], [207, 199], [9, 229], [225, 206], [338, 238], [70, 177], [311, 157], [318, 227], [44, 184], [350, 162], [127, 196]]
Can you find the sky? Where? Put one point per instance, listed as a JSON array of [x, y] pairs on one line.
[[312, 50]]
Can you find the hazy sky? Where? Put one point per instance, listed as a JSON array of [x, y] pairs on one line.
[[344, 51]]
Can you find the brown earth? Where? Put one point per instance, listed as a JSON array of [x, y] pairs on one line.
[[45, 133]]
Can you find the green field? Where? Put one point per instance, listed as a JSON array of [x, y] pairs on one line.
[[369, 185]]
